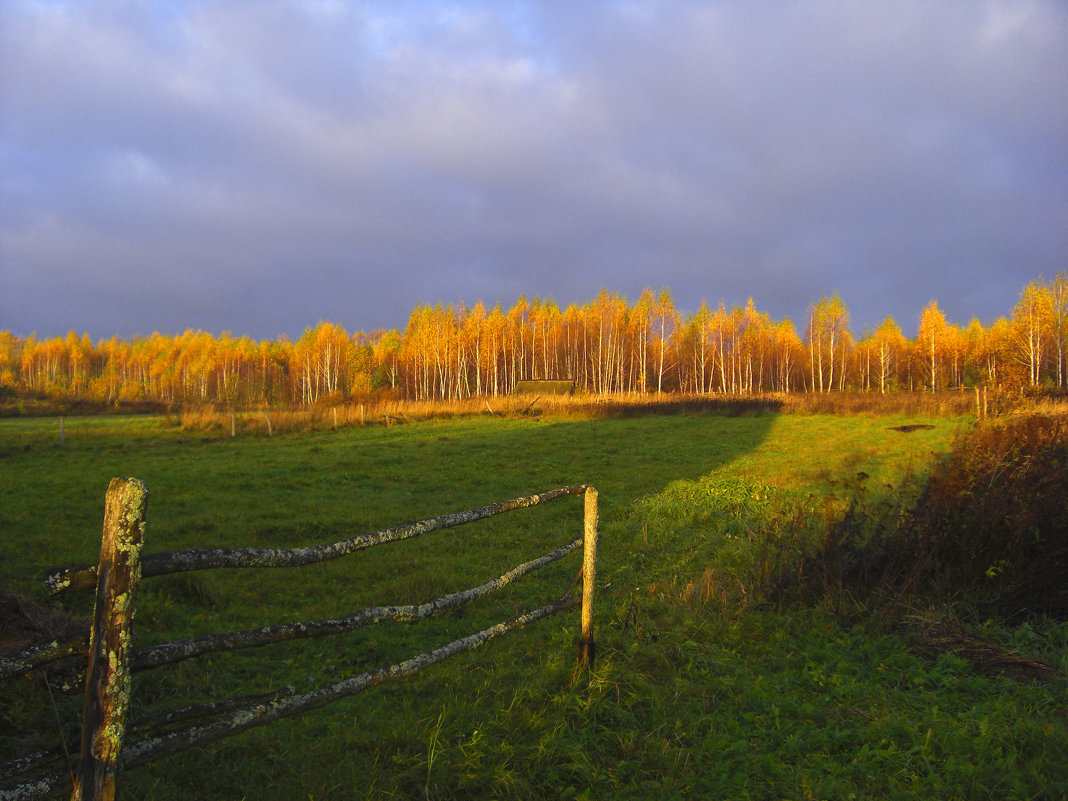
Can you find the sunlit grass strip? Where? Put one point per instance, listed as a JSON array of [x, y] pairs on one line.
[[82, 577], [154, 748], [344, 412]]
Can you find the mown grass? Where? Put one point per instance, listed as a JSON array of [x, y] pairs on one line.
[[702, 688]]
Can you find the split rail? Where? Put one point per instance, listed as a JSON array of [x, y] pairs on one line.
[[105, 659]]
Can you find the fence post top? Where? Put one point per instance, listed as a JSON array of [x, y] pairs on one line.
[[136, 489]]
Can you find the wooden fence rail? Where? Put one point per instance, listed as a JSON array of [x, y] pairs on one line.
[[105, 674]]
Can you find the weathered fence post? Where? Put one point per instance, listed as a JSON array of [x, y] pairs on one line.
[[107, 684], [587, 648]]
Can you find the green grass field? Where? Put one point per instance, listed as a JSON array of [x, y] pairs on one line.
[[701, 689]]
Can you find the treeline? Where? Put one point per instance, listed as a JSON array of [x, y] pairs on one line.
[[606, 346]]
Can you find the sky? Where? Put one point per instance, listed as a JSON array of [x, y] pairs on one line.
[[259, 166]]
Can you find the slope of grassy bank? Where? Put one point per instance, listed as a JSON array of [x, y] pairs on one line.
[[701, 688]]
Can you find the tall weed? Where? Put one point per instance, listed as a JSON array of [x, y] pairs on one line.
[[990, 527]]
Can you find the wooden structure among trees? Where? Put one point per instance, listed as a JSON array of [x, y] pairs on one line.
[[104, 750], [542, 388]]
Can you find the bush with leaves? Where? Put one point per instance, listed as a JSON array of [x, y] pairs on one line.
[[991, 527]]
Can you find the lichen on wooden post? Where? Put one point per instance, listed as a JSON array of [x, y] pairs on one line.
[[587, 648], [107, 687]]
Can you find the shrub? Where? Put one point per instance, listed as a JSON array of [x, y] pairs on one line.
[[990, 527]]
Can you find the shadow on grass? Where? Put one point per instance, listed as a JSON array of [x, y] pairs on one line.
[[298, 489]]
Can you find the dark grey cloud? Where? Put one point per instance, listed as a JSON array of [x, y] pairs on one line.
[[257, 167]]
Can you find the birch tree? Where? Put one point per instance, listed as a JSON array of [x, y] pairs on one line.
[[931, 340], [827, 335], [889, 347], [1031, 322], [1059, 324], [665, 319]]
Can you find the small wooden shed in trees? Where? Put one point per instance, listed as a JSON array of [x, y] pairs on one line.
[[542, 388]]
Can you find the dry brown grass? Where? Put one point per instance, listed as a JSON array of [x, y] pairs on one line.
[[941, 635], [925, 404], [22, 621], [399, 412], [337, 412]]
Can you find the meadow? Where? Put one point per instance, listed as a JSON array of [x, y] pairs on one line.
[[712, 679]]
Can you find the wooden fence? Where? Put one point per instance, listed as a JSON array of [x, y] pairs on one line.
[[111, 658]]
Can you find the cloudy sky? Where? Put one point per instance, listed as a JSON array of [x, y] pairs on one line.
[[260, 166]]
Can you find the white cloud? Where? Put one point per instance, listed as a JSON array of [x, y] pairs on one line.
[[1004, 20]]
